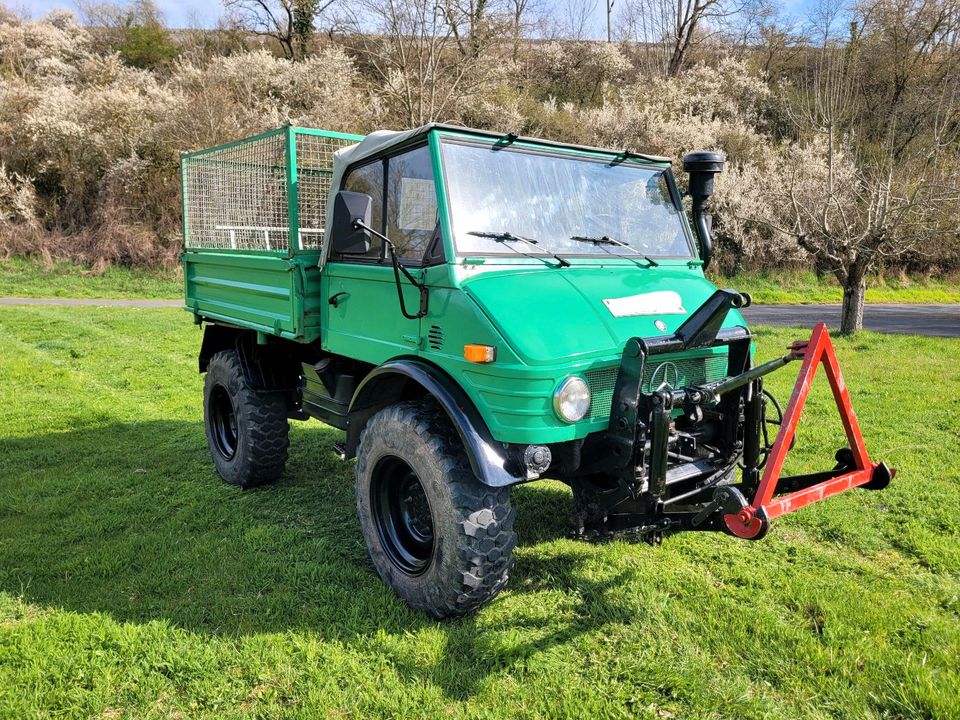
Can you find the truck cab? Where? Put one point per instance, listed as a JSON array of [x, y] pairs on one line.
[[474, 310], [550, 256]]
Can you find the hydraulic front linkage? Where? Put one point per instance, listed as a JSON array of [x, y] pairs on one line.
[[643, 426]]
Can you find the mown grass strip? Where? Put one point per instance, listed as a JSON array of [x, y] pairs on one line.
[[27, 277], [790, 287]]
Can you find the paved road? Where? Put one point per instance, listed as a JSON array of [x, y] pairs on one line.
[[935, 320]]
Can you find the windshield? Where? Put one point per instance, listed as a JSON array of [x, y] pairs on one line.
[[552, 199]]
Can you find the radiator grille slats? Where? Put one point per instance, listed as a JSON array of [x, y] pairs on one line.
[[602, 383], [435, 337]]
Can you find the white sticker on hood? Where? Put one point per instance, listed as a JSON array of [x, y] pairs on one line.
[[661, 302]]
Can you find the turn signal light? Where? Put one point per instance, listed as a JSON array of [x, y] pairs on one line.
[[479, 353]]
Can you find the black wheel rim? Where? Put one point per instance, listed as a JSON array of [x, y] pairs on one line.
[[224, 422], [401, 513]]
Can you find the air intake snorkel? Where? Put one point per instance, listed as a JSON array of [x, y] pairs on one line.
[[702, 166]]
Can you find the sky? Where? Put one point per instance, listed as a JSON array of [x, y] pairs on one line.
[[188, 13], [205, 13]]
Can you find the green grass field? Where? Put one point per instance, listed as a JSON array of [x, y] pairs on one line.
[[793, 287], [134, 584], [22, 277]]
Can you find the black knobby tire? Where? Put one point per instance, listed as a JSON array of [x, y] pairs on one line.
[[436, 535], [247, 429]]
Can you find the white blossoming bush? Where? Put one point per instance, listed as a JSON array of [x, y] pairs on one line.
[[729, 92], [90, 146], [581, 71], [708, 108], [18, 200], [248, 93], [100, 141], [746, 210], [49, 49]]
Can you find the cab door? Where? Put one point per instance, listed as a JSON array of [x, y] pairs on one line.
[[362, 317]]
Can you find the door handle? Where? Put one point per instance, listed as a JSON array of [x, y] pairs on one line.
[[338, 297]]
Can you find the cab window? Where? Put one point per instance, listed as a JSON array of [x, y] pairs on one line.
[[411, 218], [407, 212], [369, 179]]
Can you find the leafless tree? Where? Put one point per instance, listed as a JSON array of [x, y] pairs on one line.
[[668, 30], [111, 16], [880, 114], [475, 24], [779, 44], [289, 22], [524, 16], [469, 22], [567, 19], [761, 30], [424, 63], [851, 219]]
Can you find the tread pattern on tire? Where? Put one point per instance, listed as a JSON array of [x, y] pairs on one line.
[[485, 518], [263, 416]]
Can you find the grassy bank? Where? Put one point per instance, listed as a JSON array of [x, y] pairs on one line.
[[133, 583], [792, 287], [29, 278], [22, 277]]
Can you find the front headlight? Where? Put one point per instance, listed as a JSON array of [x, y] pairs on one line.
[[571, 399]]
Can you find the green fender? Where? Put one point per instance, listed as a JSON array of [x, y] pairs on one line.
[[394, 380]]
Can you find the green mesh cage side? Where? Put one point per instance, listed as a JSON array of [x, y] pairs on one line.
[[235, 197], [314, 172]]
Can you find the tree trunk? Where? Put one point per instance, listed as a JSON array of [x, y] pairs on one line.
[[854, 293]]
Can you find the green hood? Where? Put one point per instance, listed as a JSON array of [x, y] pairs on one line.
[[548, 315]]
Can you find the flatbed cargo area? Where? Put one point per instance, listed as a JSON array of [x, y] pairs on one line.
[[254, 216]]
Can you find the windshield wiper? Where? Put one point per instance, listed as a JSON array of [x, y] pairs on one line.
[[607, 240], [507, 237]]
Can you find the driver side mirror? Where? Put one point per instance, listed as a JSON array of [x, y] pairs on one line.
[[348, 208]]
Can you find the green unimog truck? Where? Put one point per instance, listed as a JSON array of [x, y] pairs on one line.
[[477, 310]]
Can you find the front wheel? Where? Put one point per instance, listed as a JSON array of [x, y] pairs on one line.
[[436, 535]]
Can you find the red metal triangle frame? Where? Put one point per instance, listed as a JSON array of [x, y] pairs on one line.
[[752, 521]]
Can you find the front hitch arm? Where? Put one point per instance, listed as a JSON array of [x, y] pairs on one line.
[[854, 467]]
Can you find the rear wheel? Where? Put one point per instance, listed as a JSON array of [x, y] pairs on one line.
[[247, 429], [436, 535]]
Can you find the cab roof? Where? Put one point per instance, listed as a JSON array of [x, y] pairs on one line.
[[380, 141]]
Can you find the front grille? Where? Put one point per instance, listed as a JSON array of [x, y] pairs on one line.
[[602, 383], [678, 373], [689, 371]]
